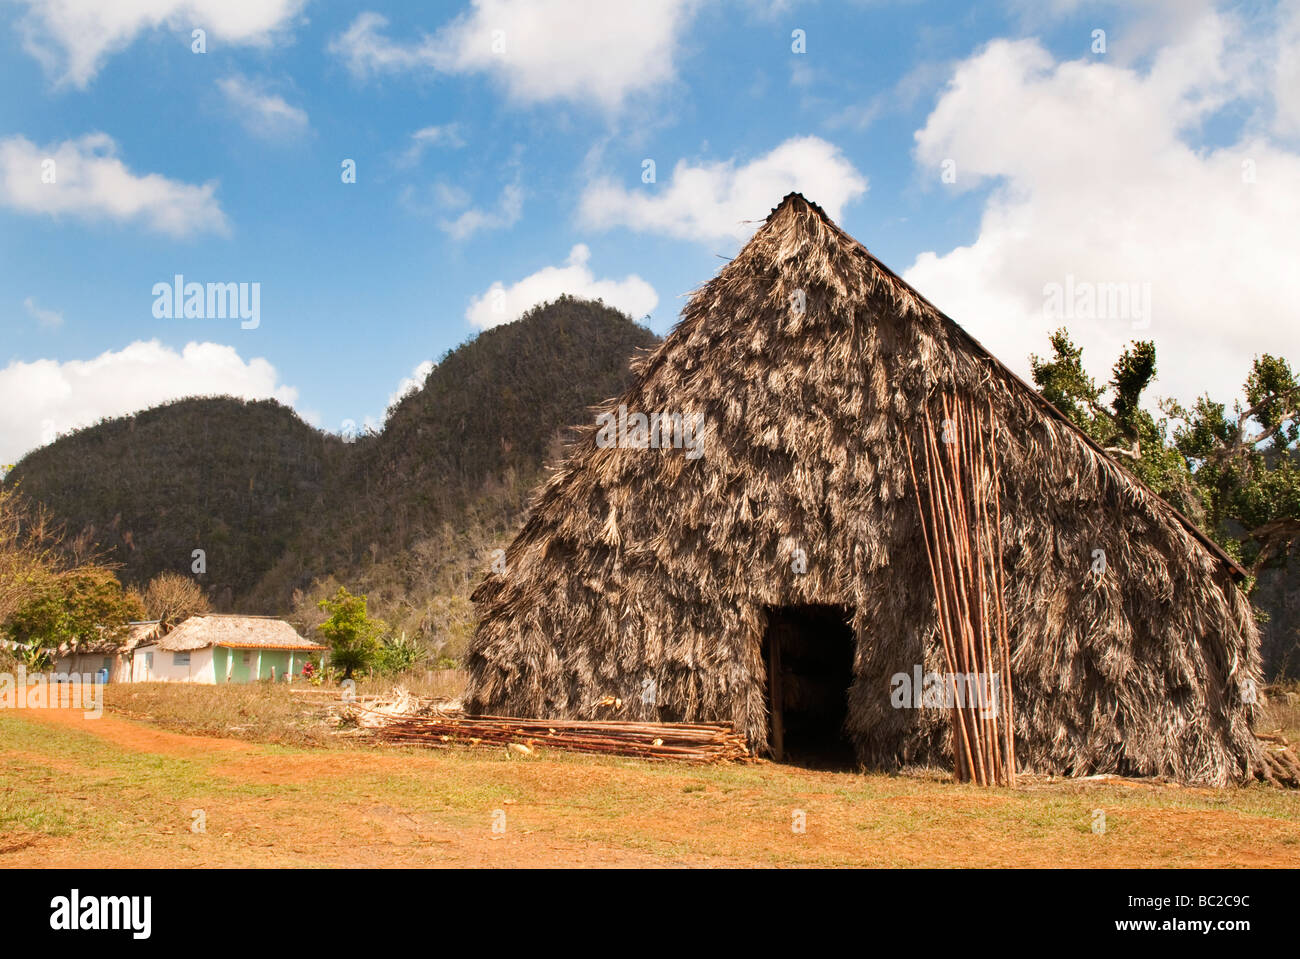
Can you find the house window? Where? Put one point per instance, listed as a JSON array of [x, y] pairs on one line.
[[108, 662], [181, 659], [148, 660], [248, 655]]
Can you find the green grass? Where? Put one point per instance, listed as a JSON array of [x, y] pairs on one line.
[[69, 783], [83, 799]]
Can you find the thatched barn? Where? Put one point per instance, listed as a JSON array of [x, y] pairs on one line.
[[653, 581]]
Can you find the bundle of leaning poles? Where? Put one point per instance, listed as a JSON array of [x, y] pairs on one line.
[[960, 508]]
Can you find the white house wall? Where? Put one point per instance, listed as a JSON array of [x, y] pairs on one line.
[[166, 670], [119, 669]]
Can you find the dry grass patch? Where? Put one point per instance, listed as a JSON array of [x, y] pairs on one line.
[[1282, 712], [424, 683], [261, 712], [288, 714]]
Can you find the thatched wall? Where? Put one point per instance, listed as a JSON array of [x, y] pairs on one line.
[[644, 564]]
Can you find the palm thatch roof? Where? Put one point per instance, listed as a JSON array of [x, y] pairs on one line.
[[117, 641], [137, 634], [641, 565], [238, 632]]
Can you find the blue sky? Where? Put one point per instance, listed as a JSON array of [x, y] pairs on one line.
[[514, 161]]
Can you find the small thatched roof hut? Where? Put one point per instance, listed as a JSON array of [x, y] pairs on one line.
[[120, 641], [110, 649], [235, 632], [224, 648], [662, 578]]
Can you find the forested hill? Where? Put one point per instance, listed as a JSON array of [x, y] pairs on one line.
[[230, 477], [284, 511], [417, 512]]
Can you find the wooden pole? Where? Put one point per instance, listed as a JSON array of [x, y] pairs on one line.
[[979, 488], [941, 596], [776, 692], [962, 529], [1006, 702], [943, 549], [951, 519]]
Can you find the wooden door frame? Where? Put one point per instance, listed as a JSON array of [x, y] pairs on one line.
[[775, 694]]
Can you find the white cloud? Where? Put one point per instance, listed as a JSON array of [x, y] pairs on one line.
[[427, 137], [50, 319], [45, 397], [510, 207], [1286, 79], [768, 9], [502, 304], [802, 75], [263, 114], [410, 384], [349, 429], [450, 196], [72, 38], [1093, 178], [1133, 30], [576, 50], [709, 201], [440, 198], [367, 53], [90, 182], [923, 79]]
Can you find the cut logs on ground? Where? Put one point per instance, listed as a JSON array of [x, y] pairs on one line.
[[1279, 766], [683, 742]]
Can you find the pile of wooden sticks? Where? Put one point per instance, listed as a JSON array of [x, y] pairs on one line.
[[961, 515], [686, 742], [1279, 764]]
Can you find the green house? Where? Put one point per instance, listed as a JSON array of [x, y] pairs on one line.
[[218, 648]]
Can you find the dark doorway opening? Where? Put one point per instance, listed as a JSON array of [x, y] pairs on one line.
[[809, 656]]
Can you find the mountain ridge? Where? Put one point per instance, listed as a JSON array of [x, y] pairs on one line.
[[284, 512]]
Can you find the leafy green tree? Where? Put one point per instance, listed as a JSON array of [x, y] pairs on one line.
[[29, 556], [72, 607], [1112, 415], [398, 653], [1064, 383], [352, 635], [1245, 462], [1234, 470]]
